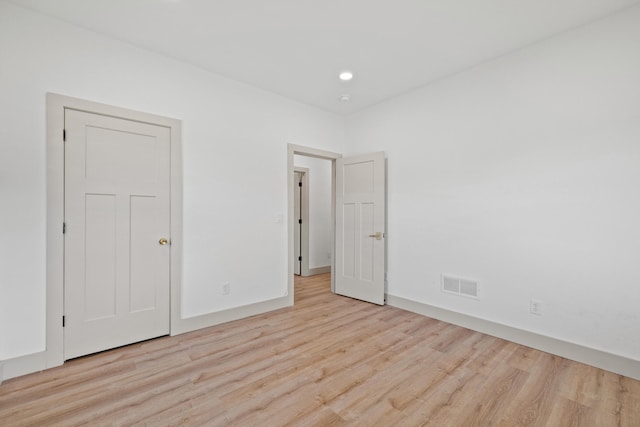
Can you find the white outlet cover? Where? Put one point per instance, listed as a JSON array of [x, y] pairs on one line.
[[535, 307]]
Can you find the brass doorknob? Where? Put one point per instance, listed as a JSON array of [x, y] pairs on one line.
[[163, 241], [378, 235]]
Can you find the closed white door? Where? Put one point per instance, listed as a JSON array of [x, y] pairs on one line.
[[117, 243], [360, 227]]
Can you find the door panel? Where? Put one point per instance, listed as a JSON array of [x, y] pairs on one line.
[[349, 240], [117, 207], [143, 241], [100, 256], [368, 245], [360, 214]]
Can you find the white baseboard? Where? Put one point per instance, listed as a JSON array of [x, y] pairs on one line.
[[319, 270], [600, 359], [22, 365], [205, 320]]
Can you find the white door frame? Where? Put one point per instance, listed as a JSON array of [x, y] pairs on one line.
[[56, 105], [304, 230], [292, 150]]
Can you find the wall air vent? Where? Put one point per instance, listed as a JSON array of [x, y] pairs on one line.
[[460, 286]]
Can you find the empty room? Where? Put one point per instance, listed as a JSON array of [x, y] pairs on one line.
[[320, 213]]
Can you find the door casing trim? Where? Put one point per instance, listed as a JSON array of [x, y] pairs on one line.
[[56, 105]]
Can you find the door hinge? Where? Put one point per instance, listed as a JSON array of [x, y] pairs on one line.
[[299, 258], [300, 184], [64, 227], [299, 221], [63, 321], [64, 135]]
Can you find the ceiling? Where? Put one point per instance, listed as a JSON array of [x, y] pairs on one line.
[[296, 48]]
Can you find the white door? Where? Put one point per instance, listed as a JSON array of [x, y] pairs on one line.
[[297, 225], [360, 227], [117, 218]]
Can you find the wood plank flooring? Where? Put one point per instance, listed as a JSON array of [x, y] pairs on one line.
[[327, 361]]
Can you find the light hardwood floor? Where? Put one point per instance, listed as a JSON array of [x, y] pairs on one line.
[[327, 361]]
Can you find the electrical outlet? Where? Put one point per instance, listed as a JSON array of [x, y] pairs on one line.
[[535, 307], [226, 288]]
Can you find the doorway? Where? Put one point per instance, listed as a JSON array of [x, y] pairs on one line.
[[359, 230], [293, 151]]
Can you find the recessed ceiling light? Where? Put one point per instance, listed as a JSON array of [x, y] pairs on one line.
[[345, 76], [345, 98]]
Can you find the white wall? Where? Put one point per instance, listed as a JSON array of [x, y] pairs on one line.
[[523, 173], [234, 161], [319, 209]]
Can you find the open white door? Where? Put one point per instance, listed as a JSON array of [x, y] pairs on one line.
[[360, 232]]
